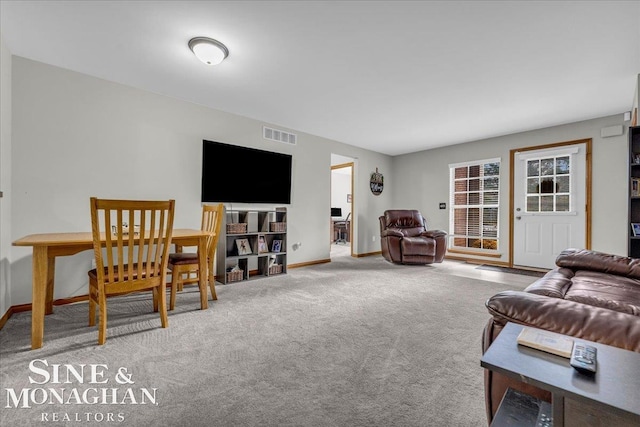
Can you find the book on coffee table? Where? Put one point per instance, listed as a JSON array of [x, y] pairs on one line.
[[551, 342]]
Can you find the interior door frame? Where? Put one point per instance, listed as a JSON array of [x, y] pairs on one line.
[[353, 200], [512, 156]]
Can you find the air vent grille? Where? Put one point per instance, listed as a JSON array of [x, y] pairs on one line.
[[279, 135]]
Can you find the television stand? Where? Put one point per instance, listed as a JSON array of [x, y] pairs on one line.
[[252, 244]]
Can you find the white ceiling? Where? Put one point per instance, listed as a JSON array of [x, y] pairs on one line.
[[393, 77]]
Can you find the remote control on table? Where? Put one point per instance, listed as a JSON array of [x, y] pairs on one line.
[[583, 358]]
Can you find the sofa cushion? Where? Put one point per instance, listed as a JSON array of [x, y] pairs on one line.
[[418, 246], [610, 291]]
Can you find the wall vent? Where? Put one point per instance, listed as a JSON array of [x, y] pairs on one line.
[[279, 135]]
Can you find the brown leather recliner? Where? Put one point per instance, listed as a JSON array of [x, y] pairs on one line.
[[405, 239]]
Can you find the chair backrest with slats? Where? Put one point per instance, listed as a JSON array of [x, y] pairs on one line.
[[211, 221], [132, 233]]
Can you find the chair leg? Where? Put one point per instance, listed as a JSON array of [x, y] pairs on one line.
[[92, 304], [212, 284], [162, 296], [102, 327], [204, 294], [174, 284]]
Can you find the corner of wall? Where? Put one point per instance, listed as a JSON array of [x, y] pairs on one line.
[[5, 177]]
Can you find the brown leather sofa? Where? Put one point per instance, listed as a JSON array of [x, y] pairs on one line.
[[405, 239], [589, 295]]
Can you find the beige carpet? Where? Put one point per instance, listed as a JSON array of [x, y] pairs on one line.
[[357, 342]]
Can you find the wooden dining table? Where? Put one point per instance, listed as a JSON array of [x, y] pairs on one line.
[[48, 246]]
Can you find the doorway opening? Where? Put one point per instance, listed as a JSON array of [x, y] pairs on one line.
[[342, 198]]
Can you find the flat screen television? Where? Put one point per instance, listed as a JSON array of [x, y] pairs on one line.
[[232, 173]]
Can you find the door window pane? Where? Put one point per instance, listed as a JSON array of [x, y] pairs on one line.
[[546, 185], [546, 204], [555, 179], [546, 166], [563, 184], [562, 165], [562, 203]]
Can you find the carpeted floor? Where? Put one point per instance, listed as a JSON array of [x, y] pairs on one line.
[[356, 342], [532, 273]]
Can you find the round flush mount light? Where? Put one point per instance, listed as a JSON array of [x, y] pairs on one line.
[[207, 50]]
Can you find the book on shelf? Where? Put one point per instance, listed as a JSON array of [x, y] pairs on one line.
[[635, 187], [547, 341]]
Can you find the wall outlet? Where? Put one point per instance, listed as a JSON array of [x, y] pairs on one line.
[[373, 238]]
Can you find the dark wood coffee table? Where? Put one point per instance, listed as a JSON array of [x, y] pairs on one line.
[[612, 395]]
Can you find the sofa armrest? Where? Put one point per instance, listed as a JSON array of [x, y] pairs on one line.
[[565, 317], [584, 259], [434, 233], [554, 284]]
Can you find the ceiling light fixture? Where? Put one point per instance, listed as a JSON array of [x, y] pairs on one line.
[[207, 50]]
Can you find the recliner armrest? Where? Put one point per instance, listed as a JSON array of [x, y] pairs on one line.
[[389, 232], [434, 233]]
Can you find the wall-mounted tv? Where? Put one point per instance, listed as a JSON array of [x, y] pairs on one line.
[[232, 173]]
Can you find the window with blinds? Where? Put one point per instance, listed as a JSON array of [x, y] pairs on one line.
[[475, 198]]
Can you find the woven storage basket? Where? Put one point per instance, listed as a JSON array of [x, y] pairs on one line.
[[237, 228], [275, 269], [278, 226], [234, 276]]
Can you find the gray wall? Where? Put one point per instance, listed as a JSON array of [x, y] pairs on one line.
[[428, 171], [76, 136], [70, 136], [5, 177]]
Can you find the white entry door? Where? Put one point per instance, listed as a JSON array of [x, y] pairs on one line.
[[550, 204]]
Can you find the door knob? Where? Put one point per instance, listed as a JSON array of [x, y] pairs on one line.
[[518, 217], [518, 209]]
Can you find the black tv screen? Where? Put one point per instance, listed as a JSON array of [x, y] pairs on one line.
[[231, 173]]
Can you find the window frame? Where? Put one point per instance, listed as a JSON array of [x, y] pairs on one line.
[[480, 206]]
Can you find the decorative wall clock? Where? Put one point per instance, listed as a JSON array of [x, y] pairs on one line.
[[376, 183]]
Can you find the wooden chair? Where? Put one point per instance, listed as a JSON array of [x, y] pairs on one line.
[[343, 229], [131, 241], [184, 265]]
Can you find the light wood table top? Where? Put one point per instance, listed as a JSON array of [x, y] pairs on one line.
[[48, 246]]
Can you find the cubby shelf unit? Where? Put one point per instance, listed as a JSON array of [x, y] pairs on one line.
[[252, 226]]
